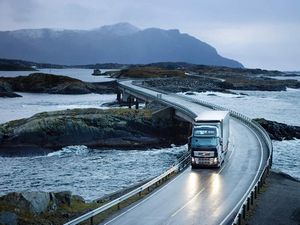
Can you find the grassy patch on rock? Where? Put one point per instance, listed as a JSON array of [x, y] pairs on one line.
[[151, 72]]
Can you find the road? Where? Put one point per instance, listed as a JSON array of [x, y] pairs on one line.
[[204, 196]]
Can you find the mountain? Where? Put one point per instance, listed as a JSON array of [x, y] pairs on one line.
[[120, 43]]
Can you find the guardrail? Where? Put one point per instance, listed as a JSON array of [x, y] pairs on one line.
[[238, 214], [183, 163]]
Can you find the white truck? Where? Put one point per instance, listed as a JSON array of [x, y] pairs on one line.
[[210, 138]]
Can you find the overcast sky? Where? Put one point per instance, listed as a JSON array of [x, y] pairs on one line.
[[258, 33]]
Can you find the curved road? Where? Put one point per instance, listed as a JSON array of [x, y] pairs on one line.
[[204, 196]]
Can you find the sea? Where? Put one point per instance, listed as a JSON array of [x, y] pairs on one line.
[[94, 173]]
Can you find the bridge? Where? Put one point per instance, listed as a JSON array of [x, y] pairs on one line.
[[205, 196]]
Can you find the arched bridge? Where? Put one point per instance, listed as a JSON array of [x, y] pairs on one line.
[[202, 196], [205, 196]]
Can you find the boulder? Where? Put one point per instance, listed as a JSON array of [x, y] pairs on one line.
[[39, 201], [33, 202], [63, 198]]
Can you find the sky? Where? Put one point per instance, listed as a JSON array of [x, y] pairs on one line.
[[258, 33]]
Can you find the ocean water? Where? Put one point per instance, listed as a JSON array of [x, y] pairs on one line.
[[280, 106], [90, 173], [32, 103], [81, 74]]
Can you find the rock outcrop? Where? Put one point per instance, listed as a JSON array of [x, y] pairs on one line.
[[41, 207], [112, 128], [6, 90], [201, 83], [33, 202], [53, 84], [279, 131]]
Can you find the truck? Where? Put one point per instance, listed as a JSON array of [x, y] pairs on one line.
[[209, 141]]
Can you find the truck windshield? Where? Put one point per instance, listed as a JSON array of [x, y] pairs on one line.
[[204, 142], [205, 132]]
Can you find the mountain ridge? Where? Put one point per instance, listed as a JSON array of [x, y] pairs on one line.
[[118, 43]]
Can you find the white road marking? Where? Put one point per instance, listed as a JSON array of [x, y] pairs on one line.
[[258, 171], [181, 208], [174, 214], [146, 199]]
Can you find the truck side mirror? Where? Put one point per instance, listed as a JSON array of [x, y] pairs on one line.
[[221, 141]]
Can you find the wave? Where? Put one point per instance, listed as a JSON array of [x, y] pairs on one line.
[[70, 150]]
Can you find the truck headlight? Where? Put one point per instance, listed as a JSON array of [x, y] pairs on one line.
[[216, 160], [193, 159]]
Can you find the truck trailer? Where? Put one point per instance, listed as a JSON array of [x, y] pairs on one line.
[[209, 141]]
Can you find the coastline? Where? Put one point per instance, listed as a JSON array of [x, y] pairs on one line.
[[271, 203], [278, 203]]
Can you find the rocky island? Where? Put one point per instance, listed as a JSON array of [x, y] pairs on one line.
[[112, 128], [52, 84]]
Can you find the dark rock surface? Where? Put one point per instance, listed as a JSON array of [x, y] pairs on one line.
[[187, 84], [279, 131], [279, 203], [112, 128], [8, 218], [6, 90], [202, 83], [54, 84]]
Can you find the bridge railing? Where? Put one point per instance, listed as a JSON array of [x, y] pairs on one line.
[[239, 212], [159, 98], [183, 163]]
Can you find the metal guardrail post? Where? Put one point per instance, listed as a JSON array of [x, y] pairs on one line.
[[244, 211], [255, 192], [248, 204], [239, 219]]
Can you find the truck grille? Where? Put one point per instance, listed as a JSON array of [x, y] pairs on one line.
[[204, 154], [205, 161]]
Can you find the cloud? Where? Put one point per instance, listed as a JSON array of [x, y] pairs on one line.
[[255, 32], [265, 45], [18, 11]]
